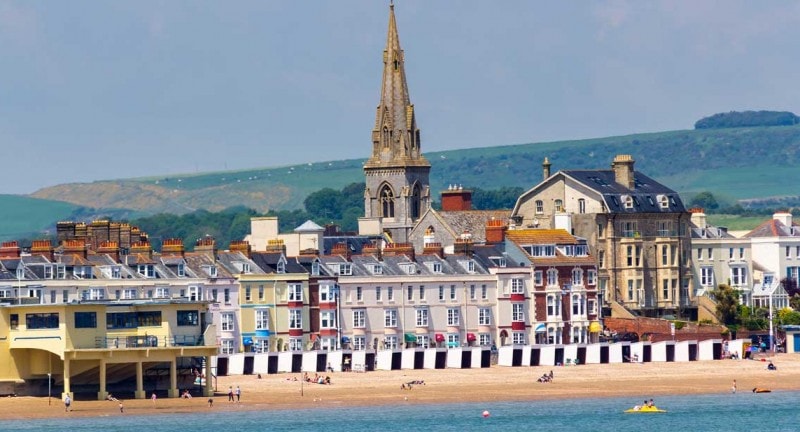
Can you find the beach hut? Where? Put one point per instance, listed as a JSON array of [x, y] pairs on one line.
[[261, 363], [619, 352], [640, 352], [594, 353], [476, 357], [659, 351], [454, 358], [310, 362], [408, 356], [737, 347], [792, 338], [335, 358], [285, 360], [570, 354], [505, 356], [384, 360], [547, 355], [527, 353], [685, 351], [236, 364], [359, 361], [710, 349]]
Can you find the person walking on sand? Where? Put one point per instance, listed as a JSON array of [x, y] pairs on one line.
[[153, 398], [733, 387], [230, 394], [67, 403], [121, 408], [238, 394]]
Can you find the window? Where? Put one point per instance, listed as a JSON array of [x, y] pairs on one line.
[[436, 267], [410, 291], [345, 269], [129, 293], [577, 276], [146, 270], [699, 254], [93, 294], [630, 289], [452, 316], [518, 338], [730, 253], [390, 318], [453, 340], [600, 230], [517, 312], [665, 289], [558, 206], [421, 293], [601, 259], [741, 253], [247, 293], [472, 292], [295, 319], [85, 319], [552, 277], [61, 272], [484, 316], [280, 267], [591, 277], [295, 344], [638, 255], [182, 270], [581, 205], [359, 294], [162, 292], [64, 295], [260, 345], [116, 272], [390, 294], [226, 295], [788, 252], [663, 201], [484, 339], [709, 254], [295, 292], [226, 346], [422, 317], [517, 286], [707, 276], [470, 266], [226, 321], [538, 278], [315, 268], [553, 305], [628, 201], [196, 294], [453, 292], [423, 341], [377, 269], [359, 343], [359, 318], [378, 294], [325, 294], [738, 276], [539, 206], [262, 319], [327, 319], [629, 255], [390, 342], [52, 296], [441, 292], [484, 292], [630, 229], [665, 255], [187, 317]]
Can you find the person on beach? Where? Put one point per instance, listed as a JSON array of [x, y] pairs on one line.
[[733, 388], [153, 397], [238, 394], [230, 394], [121, 408], [210, 402], [67, 403]]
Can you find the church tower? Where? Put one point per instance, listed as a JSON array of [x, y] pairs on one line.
[[398, 190]]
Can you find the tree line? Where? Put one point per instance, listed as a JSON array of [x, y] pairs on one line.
[[735, 119]]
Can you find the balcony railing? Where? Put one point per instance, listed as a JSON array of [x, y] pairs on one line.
[[148, 341]]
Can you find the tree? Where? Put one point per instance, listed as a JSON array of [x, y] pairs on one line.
[[705, 200], [727, 303]]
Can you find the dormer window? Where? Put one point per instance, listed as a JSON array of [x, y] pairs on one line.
[[281, 267], [436, 267], [377, 269], [20, 272], [627, 200], [82, 272], [471, 266], [663, 201], [409, 268], [212, 271], [61, 272], [48, 272], [181, 270], [116, 272], [146, 270], [345, 269], [315, 268], [498, 261]]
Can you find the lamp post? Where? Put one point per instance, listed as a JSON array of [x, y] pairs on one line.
[[771, 336], [335, 292]]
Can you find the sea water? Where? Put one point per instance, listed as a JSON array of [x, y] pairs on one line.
[[777, 411]]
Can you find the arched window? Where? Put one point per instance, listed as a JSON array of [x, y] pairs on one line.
[[386, 197], [416, 203], [581, 205], [386, 139]]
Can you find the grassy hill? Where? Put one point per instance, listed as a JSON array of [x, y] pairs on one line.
[[24, 216], [737, 163]]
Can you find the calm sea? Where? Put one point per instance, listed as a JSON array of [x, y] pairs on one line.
[[776, 411]]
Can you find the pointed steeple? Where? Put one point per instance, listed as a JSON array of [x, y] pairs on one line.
[[395, 138]]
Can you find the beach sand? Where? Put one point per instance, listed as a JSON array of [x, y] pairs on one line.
[[639, 381]]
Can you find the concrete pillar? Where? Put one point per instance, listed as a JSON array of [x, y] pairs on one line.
[[209, 391], [173, 379], [101, 395], [67, 390], [139, 394]]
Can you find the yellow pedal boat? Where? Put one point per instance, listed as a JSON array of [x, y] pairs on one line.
[[645, 409]]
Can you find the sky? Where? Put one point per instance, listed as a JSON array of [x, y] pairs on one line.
[[96, 90]]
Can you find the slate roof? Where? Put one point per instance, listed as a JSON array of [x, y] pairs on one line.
[[268, 261], [774, 228], [709, 232], [474, 221], [644, 193], [541, 236]]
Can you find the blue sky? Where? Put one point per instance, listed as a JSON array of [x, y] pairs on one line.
[[93, 90]]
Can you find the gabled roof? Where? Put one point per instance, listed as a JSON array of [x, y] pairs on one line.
[[541, 236], [645, 193], [773, 228], [472, 221], [308, 226]]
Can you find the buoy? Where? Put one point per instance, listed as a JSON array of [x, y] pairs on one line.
[[485, 414]]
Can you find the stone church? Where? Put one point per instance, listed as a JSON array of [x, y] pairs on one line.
[[397, 188]]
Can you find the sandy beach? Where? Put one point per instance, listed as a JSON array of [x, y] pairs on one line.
[[281, 391]]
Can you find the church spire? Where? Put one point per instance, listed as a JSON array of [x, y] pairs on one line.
[[395, 138]]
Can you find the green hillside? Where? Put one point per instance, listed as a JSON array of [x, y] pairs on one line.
[[23, 216], [734, 164]]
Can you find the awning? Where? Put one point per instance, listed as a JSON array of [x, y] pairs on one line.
[[410, 337], [595, 327], [345, 339], [247, 341], [471, 337], [541, 328], [439, 337]]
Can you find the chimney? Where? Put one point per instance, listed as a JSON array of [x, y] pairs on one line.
[[172, 247], [433, 249], [623, 170], [463, 244], [372, 250], [698, 217], [341, 249], [141, 248], [275, 245], [206, 245], [784, 217], [396, 249], [242, 246], [495, 231], [9, 249], [43, 248], [74, 247], [456, 198], [546, 169], [110, 248]]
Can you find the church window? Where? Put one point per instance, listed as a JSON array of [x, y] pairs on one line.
[[416, 202], [387, 201]]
